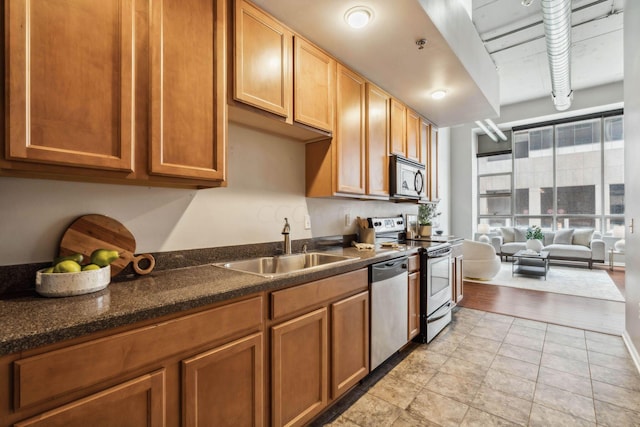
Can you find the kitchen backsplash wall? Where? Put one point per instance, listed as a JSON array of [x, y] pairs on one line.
[[265, 185]]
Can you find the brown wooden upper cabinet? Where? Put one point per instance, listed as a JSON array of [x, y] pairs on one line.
[[314, 85], [70, 69], [89, 87], [412, 150], [263, 60], [377, 138], [337, 166], [398, 127], [279, 73], [350, 134], [405, 131], [434, 164], [188, 119], [425, 153]]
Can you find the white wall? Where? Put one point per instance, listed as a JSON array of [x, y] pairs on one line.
[[632, 174], [463, 144], [265, 184]]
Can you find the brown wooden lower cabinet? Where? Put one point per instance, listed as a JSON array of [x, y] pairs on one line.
[[349, 342], [207, 367], [224, 386], [414, 305], [138, 402], [414, 297], [299, 368], [456, 266]]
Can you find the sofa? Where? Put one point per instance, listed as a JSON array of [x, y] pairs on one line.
[[569, 244]]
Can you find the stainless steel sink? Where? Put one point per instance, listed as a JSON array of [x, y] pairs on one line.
[[284, 264]]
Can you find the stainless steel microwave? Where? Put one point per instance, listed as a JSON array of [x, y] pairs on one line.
[[408, 178]]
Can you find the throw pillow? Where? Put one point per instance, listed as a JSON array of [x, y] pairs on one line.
[[563, 236], [582, 236], [520, 234], [507, 234]]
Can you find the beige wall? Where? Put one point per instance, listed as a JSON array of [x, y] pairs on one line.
[[632, 173], [266, 184]]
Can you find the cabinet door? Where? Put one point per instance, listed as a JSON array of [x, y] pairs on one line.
[[414, 305], [299, 357], [458, 283], [434, 164], [224, 387], [262, 56], [70, 82], [398, 128], [315, 85], [413, 136], [349, 136], [425, 154], [139, 402], [377, 137], [349, 342], [188, 92]]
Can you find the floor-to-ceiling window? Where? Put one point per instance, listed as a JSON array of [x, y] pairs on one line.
[[561, 174]]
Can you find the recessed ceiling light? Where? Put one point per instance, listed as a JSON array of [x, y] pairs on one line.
[[358, 17], [439, 94]]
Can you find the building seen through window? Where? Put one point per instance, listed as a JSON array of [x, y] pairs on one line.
[[558, 175]]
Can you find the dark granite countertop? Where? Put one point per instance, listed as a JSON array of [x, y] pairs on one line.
[[32, 321]]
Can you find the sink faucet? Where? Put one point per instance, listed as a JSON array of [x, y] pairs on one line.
[[287, 242]]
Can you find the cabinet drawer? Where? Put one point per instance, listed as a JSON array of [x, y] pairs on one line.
[[298, 298], [138, 402], [414, 263], [52, 374]]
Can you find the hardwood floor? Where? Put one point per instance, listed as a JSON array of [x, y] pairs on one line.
[[566, 310]]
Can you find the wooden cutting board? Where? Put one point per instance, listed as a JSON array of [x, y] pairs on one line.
[[90, 232]]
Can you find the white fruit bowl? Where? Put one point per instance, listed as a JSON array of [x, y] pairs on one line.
[[69, 284]]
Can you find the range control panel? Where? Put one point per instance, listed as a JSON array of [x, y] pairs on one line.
[[386, 225]]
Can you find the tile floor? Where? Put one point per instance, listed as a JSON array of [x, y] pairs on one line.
[[487, 369]]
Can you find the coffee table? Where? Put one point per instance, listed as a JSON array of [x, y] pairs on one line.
[[530, 264]]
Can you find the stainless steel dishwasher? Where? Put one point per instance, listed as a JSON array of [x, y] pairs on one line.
[[389, 308]]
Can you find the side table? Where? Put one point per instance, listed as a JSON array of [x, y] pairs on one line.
[[612, 253]]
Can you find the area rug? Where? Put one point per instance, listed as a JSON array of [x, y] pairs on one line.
[[560, 280]]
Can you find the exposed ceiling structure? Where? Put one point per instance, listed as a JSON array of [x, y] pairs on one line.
[[386, 53], [514, 36]]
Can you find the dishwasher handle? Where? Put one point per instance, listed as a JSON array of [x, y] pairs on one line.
[[389, 269]]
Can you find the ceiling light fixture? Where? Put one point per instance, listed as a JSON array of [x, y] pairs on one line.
[[495, 128], [438, 94], [358, 17], [487, 131]]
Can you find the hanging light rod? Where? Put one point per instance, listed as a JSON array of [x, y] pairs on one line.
[[498, 132], [487, 131]]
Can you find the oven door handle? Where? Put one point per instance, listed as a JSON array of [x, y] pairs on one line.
[[446, 308]]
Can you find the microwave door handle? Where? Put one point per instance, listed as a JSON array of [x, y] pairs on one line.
[[418, 182]]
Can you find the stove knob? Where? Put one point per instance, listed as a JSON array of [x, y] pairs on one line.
[[377, 224]]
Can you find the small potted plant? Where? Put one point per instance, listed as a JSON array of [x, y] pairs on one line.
[[534, 238], [426, 214]]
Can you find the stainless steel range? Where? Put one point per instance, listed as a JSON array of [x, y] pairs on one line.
[[435, 288]]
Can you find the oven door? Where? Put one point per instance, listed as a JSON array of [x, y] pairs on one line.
[[438, 282]]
